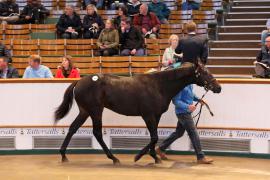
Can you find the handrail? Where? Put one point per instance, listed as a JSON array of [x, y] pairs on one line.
[[66, 80]]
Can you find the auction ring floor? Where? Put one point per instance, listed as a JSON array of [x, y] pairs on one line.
[[98, 167]]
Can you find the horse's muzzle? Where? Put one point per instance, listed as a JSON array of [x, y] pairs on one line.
[[217, 89]]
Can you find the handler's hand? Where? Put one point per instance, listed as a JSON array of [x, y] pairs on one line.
[[202, 102], [191, 108]]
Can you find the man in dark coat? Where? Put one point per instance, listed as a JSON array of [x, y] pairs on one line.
[[130, 39], [6, 70], [34, 12], [9, 11], [69, 25], [262, 64], [193, 47]]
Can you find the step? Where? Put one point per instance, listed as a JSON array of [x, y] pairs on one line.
[[252, 3], [250, 9], [230, 60], [232, 70], [239, 52], [239, 36], [235, 44], [235, 29], [248, 15], [238, 22]]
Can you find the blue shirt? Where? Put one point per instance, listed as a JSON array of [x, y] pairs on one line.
[[183, 99], [41, 72]]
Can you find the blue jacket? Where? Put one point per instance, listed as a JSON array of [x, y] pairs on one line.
[[183, 99], [160, 9]]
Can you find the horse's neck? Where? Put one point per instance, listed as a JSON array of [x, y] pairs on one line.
[[173, 87], [171, 82]]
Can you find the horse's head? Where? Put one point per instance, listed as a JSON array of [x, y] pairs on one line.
[[205, 79]]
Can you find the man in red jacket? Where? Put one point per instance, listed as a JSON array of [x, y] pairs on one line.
[[147, 22]]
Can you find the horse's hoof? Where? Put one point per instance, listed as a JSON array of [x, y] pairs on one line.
[[137, 157], [158, 161], [65, 160], [116, 162]]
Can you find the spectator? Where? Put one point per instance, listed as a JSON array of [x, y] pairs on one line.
[[115, 4], [161, 10], [69, 24], [6, 70], [98, 3], [92, 23], [122, 14], [67, 70], [36, 70], [4, 52], [130, 39], [147, 22], [265, 33], [262, 65], [191, 5], [9, 11], [34, 12], [169, 57], [193, 47], [133, 7], [108, 40]]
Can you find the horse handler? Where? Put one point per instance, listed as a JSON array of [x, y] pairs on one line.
[[184, 106]]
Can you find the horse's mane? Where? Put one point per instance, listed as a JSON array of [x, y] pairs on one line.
[[173, 74]]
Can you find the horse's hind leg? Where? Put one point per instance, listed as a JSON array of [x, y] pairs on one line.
[[97, 131], [76, 124], [152, 127]]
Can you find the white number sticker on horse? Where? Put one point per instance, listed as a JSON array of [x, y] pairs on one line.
[[95, 78]]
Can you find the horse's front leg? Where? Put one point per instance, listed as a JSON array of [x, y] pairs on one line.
[[151, 124], [97, 131]]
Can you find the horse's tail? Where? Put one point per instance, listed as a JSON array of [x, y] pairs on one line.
[[66, 104]]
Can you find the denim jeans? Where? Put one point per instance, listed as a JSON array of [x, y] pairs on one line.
[[126, 52], [99, 4], [185, 123]]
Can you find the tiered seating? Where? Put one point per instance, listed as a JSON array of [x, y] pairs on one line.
[[79, 47], [52, 47], [24, 47], [89, 65], [17, 31]]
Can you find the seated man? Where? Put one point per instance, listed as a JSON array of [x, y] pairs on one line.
[[133, 7], [9, 11], [34, 12], [36, 70], [6, 70], [147, 22], [262, 65], [265, 33], [69, 24], [191, 5], [130, 39], [161, 11]]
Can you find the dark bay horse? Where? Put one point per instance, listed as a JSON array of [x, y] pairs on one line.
[[145, 95]]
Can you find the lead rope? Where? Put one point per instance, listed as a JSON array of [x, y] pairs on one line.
[[198, 115]]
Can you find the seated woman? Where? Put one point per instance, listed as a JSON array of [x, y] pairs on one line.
[[170, 58], [69, 24], [92, 23], [67, 70], [108, 40], [122, 14]]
